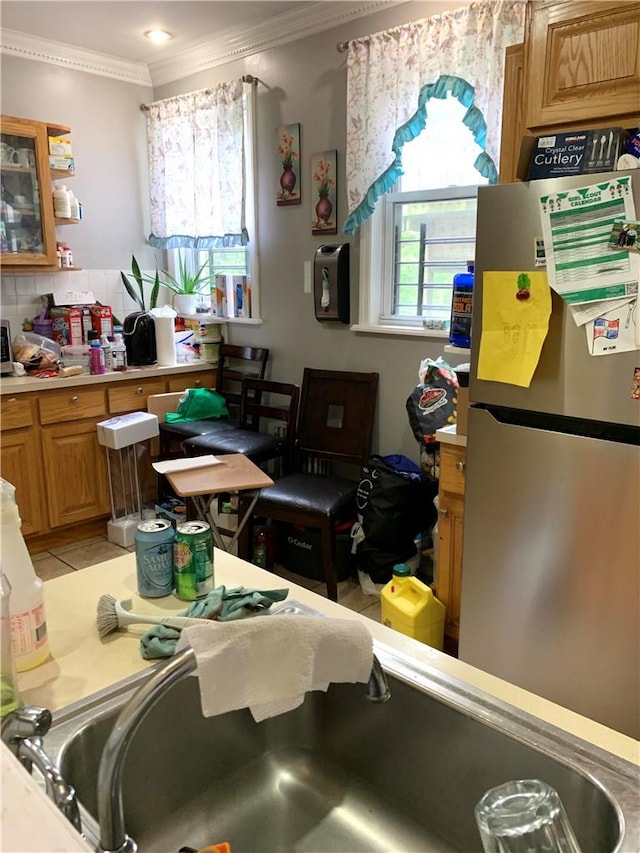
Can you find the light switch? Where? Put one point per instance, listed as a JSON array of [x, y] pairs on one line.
[[307, 276]]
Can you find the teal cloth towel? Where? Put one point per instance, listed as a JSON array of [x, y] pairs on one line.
[[220, 605]]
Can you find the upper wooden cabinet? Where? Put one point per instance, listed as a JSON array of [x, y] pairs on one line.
[[27, 222], [582, 62], [512, 113]]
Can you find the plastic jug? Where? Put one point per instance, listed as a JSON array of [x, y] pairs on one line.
[[409, 606], [29, 640]]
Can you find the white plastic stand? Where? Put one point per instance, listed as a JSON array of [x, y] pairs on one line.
[[121, 436]]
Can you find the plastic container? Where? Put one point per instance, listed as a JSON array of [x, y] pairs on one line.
[[409, 606], [462, 308], [29, 641], [62, 202], [108, 352], [119, 352], [9, 696], [96, 355]]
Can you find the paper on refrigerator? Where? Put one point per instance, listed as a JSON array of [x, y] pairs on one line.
[[615, 331], [576, 226]]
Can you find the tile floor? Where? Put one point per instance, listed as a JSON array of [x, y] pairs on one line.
[[74, 558]]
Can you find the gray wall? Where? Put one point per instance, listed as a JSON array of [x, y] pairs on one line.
[[108, 138], [305, 82]]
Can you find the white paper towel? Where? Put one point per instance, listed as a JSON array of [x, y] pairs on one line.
[[165, 341], [268, 664]]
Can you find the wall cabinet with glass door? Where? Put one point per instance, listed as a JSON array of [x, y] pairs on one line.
[[27, 222]]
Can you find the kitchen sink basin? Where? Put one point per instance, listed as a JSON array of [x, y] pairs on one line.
[[340, 773]]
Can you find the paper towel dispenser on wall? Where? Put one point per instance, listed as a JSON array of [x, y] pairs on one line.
[[331, 283]]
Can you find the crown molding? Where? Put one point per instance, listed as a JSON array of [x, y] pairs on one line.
[[68, 56], [239, 42], [234, 43]]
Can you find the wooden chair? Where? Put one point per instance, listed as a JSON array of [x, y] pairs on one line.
[[335, 424], [234, 363], [263, 405]]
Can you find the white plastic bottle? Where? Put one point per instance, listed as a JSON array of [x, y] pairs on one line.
[[29, 640], [119, 352], [108, 352], [61, 202]]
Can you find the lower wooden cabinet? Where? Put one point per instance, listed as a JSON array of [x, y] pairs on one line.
[[21, 465], [450, 524], [76, 473]]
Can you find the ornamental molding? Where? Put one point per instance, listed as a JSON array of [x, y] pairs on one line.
[[232, 44]]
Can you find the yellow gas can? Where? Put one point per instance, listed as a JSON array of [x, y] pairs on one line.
[[409, 606]]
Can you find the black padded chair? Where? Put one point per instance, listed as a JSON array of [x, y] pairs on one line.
[[263, 405], [335, 424], [234, 363]]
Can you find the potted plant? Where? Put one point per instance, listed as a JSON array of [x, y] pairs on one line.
[[138, 328], [186, 285], [136, 290]]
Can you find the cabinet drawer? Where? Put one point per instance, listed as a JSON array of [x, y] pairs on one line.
[[203, 379], [129, 398], [453, 461], [72, 405], [16, 412]]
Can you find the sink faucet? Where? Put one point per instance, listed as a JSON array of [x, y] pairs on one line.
[[113, 838], [22, 731]]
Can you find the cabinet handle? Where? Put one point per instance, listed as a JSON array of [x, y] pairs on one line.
[[443, 511], [460, 466], [197, 383], [139, 390], [11, 400], [75, 400]]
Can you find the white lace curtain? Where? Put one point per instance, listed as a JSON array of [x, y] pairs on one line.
[[391, 75], [196, 151]]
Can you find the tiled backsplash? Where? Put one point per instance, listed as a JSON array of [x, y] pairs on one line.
[[20, 295]]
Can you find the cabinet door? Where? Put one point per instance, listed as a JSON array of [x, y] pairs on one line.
[[449, 560], [582, 62], [512, 113], [76, 473], [27, 231], [21, 465]]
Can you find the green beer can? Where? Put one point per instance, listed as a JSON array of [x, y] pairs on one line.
[[193, 560]]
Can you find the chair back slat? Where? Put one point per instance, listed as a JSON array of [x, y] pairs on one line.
[[234, 364], [337, 412], [281, 405]]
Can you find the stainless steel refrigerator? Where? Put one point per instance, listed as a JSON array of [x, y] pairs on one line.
[[551, 555]]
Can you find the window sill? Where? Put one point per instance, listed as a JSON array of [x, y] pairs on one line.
[[406, 331], [214, 318]]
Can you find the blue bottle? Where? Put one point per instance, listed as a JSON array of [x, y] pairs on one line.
[[462, 308]]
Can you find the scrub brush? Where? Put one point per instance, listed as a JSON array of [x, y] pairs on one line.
[[113, 614]]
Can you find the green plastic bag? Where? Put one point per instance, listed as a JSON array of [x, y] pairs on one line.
[[199, 404]]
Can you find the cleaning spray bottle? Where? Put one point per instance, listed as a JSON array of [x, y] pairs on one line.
[[29, 641], [9, 696]]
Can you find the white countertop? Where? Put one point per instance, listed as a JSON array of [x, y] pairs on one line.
[[449, 435], [81, 664], [20, 384]]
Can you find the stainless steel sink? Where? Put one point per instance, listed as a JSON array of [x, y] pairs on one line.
[[341, 774]]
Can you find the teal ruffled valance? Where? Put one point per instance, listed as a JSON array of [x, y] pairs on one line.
[[473, 119]]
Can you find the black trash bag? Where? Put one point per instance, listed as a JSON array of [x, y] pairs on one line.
[[379, 564], [394, 503], [433, 403]]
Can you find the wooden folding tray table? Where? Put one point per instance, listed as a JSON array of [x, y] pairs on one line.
[[234, 472]]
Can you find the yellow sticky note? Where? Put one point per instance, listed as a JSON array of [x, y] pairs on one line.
[[513, 329]]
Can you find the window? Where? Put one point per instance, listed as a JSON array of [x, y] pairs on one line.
[[234, 260], [422, 234]]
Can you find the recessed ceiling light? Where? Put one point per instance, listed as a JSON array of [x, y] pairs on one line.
[[158, 36]]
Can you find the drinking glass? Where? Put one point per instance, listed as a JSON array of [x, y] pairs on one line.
[[524, 816]]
